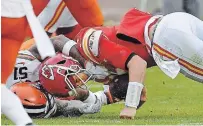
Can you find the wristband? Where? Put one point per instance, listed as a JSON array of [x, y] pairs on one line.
[[133, 94], [67, 47]]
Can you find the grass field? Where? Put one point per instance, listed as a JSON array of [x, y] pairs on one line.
[[178, 101]]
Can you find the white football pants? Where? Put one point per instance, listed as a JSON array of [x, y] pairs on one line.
[[179, 36]]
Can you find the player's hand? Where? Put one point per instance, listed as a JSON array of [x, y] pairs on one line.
[[89, 108], [143, 97], [128, 113], [69, 108]]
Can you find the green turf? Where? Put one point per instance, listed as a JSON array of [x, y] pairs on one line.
[[178, 101]]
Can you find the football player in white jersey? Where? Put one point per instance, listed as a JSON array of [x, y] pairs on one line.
[[15, 16], [27, 69], [38, 103]]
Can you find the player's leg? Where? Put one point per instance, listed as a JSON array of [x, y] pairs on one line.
[[38, 6], [9, 52], [191, 44], [12, 107], [181, 40], [6, 62], [12, 37], [198, 28], [86, 12]]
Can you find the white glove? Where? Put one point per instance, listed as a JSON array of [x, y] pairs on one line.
[[89, 108], [69, 108]]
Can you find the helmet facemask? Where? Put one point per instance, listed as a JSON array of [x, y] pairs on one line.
[[74, 75]]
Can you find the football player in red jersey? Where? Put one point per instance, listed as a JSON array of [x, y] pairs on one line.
[[156, 40], [141, 41], [106, 52], [102, 72], [66, 70]]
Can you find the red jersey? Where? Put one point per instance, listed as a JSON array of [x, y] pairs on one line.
[[130, 33], [95, 45], [132, 26], [138, 48], [114, 46]]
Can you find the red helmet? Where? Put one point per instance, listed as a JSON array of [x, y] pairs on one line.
[[36, 101], [61, 74]]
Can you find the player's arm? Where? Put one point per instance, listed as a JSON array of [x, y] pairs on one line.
[[61, 44], [137, 69], [121, 57], [58, 42]]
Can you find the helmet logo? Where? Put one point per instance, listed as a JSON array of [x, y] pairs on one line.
[[47, 72]]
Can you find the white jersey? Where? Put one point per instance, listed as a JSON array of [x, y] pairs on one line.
[[56, 15], [26, 69]]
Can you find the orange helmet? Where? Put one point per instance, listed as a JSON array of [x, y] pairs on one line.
[[35, 100]]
